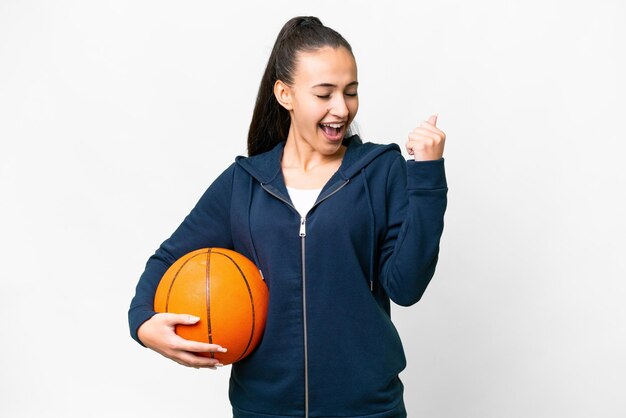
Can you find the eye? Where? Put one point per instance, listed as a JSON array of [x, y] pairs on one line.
[[323, 97], [351, 94]]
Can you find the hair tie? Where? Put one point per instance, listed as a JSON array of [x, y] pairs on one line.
[[307, 21]]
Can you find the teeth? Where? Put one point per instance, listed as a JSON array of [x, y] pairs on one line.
[[333, 125]]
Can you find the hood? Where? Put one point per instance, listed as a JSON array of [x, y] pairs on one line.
[[265, 167]]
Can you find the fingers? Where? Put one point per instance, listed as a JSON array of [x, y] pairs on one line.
[[420, 132], [422, 139], [195, 361], [199, 347], [158, 333], [175, 319], [426, 142], [183, 352], [428, 126], [188, 345]]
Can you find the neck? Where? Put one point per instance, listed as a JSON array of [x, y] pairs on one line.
[[299, 155]]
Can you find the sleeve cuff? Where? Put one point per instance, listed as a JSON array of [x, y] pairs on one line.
[[426, 175], [136, 320]]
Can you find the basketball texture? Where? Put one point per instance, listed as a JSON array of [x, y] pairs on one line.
[[226, 291]]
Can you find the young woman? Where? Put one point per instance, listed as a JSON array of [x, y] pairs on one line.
[[337, 226]]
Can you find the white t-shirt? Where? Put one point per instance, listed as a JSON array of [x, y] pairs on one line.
[[303, 199]]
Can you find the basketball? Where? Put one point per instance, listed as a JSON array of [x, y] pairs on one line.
[[226, 291]]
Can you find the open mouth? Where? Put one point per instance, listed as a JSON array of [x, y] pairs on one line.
[[333, 131]]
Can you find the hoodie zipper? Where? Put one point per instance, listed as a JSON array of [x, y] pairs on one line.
[[302, 235], [306, 356]]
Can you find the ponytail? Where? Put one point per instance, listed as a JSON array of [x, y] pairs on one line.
[[270, 121]]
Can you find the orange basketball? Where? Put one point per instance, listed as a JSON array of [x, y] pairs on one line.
[[226, 291]]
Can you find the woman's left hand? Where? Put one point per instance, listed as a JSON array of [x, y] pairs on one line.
[[426, 141]]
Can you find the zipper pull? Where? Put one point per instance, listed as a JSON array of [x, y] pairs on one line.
[[303, 227], [371, 285]]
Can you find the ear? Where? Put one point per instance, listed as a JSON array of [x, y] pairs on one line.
[[282, 92]]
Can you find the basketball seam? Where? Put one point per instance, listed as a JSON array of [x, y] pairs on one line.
[[207, 280], [169, 290], [251, 300]]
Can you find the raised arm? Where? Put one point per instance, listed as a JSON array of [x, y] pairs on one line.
[[417, 199]]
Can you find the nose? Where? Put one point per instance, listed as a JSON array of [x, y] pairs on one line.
[[339, 108]]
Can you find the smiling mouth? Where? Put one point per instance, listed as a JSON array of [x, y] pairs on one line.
[[333, 131]]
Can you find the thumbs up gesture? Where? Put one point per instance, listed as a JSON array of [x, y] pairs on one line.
[[426, 141]]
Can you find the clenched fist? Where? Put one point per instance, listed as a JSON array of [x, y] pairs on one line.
[[426, 141]]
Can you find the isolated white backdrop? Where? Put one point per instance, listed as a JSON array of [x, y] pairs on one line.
[[115, 117]]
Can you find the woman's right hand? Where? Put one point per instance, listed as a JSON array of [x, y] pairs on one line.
[[158, 333]]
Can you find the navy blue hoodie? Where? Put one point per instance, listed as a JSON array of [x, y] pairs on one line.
[[329, 348]]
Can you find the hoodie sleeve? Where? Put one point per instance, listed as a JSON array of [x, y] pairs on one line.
[[207, 225], [416, 203]]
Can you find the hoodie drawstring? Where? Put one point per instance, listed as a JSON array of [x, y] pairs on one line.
[[254, 254], [372, 229]]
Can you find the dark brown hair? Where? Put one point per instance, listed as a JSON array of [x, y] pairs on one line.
[[270, 121]]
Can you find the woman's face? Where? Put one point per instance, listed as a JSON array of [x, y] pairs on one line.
[[322, 99]]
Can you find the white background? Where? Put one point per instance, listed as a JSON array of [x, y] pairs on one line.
[[115, 117]]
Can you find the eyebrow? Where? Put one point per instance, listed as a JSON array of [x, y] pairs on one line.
[[354, 83]]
